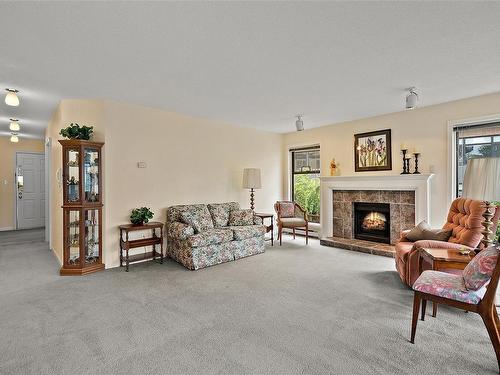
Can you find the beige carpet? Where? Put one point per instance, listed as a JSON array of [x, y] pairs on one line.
[[292, 310]]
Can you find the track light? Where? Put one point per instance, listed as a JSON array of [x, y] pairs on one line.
[[14, 125], [11, 97], [411, 98], [299, 124], [14, 138]]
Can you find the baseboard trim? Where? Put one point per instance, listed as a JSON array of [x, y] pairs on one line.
[[4, 229]]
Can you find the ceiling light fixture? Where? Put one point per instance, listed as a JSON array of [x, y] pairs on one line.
[[14, 138], [14, 125], [411, 98], [299, 124], [11, 97]]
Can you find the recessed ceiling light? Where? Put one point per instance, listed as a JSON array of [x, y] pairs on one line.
[[11, 97], [14, 138], [411, 98], [14, 125]]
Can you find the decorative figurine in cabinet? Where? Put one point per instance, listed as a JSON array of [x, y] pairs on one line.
[[82, 207]]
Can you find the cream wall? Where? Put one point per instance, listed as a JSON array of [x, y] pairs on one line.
[[425, 128], [189, 160], [8, 156]]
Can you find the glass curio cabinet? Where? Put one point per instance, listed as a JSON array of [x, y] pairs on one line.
[[82, 207]]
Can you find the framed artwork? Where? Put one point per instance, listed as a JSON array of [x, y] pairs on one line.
[[372, 151]]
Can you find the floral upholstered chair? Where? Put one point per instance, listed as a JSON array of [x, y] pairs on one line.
[[473, 290], [291, 215]]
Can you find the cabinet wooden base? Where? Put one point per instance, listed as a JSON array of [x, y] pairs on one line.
[[81, 271]]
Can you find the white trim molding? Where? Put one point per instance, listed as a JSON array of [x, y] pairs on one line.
[[452, 157], [420, 183]]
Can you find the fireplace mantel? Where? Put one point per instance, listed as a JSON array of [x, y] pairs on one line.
[[420, 183]]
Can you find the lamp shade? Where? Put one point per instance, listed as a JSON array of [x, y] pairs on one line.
[[251, 178], [482, 179], [11, 98]]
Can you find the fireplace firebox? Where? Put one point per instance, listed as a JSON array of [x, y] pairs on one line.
[[372, 222]]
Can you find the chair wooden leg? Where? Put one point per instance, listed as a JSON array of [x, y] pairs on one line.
[[293, 230], [307, 234], [280, 232], [495, 316], [434, 309], [416, 308], [424, 305], [490, 323]]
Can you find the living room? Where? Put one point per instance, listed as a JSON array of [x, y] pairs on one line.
[[247, 120]]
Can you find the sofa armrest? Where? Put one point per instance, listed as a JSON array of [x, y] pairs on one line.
[[432, 244], [402, 235], [257, 220], [180, 231]]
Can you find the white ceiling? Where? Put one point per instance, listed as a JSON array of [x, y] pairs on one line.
[[248, 64]]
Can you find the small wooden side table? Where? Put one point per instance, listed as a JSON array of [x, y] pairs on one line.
[[443, 259], [270, 227], [154, 240]]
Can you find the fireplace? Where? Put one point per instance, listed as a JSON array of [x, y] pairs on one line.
[[372, 221]]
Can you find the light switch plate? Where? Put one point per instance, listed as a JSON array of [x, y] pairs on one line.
[[141, 164]]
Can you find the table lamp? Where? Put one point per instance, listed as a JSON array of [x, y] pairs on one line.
[[482, 182], [251, 180]]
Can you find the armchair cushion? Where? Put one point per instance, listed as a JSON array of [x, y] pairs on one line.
[[289, 222], [243, 232], [480, 269], [211, 237], [287, 209], [449, 286], [198, 217], [240, 217], [433, 244], [424, 232], [180, 231]]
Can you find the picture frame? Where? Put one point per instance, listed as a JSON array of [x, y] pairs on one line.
[[372, 151]]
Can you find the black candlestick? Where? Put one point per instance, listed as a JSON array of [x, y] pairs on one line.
[[416, 154], [406, 170]]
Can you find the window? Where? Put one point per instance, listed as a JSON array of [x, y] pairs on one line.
[[306, 170], [472, 142]]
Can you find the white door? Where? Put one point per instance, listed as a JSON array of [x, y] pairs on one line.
[[30, 190]]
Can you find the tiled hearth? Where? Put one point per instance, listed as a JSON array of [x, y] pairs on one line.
[[402, 210]]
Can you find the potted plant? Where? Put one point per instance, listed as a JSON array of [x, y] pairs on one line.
[[75, 131], [141, 215], [72, 189]]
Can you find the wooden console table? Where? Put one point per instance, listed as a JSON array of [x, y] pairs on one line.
[[270, 227], [154, 240]]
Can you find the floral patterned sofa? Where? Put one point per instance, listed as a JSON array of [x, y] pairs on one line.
[[199, 235]]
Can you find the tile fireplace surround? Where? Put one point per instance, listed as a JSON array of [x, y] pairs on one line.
[[408, 196]]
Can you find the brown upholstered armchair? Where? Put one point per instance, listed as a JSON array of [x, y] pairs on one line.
[[464, 219], [291, 215]]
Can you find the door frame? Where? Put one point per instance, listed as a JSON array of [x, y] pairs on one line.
[[16, 226], [48, 191]]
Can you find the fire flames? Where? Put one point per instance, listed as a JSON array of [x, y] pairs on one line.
[[374, 221]]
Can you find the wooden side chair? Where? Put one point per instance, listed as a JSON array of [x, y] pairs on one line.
[[473, 290], [291, 215]]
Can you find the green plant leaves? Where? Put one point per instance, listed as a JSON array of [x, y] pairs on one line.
[[141, 215], [75, 131]]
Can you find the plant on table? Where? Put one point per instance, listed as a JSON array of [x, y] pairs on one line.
[[141, 215]]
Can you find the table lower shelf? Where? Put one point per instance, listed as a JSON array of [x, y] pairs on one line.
[[142, 256]]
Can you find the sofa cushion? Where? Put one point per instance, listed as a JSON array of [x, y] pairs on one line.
[[220, 212], [480, 269], [248, 231], [240, 217], [211, 237], [424, 232], [197, 216]]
